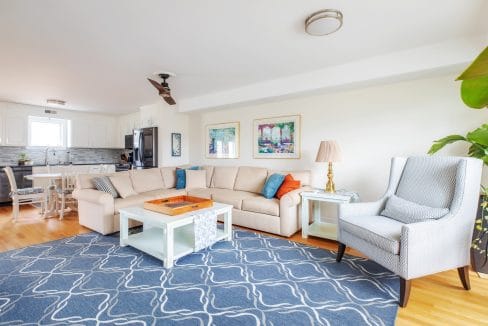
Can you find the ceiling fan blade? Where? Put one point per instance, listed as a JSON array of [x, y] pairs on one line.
[[169, 99], [158, 86], [164, 91]]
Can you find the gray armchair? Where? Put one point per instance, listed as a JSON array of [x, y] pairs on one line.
[[415, 248]]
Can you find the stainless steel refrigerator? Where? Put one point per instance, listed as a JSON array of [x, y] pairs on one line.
[[145, 148]]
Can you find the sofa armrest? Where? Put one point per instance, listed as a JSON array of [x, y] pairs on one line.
[[93, 196], [293, 198], [362, 209]]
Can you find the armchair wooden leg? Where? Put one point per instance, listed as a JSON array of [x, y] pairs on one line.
[[340, 252], [405, 286], [464, 276]]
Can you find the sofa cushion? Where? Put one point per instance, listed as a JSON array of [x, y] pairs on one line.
[[408, 212], [147, 180], [250, 179], [123, 185], [163, 193], [232, 197], [224, 177], [169, 177], [129, 201], [209, 169], [380, 231], [272, 185], [201, 192], [196, 179], [262, 205]]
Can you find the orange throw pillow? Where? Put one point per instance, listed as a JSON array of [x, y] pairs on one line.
[[288, 185]]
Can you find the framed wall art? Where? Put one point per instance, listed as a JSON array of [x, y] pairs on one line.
[[222, 140], [175, 144], [277, 137]]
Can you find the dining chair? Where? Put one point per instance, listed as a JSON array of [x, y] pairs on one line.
[[65, 191], [22, 196]]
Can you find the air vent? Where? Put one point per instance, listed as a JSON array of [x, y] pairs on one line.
[[47, 111], [55, 101]]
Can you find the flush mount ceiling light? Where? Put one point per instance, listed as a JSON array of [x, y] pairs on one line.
[[55, 101], [323, 22]]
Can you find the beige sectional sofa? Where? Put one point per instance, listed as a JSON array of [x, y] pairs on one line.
[[238, 186]]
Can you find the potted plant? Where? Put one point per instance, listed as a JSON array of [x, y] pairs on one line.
[[474, 93], [23, 158], [479, 247]]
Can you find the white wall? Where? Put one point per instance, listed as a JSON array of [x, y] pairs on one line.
[[371, 125]]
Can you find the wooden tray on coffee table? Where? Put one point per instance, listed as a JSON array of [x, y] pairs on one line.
[[177, 205]]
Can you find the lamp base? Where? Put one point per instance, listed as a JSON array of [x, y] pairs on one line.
[[330, 186]]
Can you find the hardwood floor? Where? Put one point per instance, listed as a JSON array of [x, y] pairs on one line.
[[31, 229], [435, 300]]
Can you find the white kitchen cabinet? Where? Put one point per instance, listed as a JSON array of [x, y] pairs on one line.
[[98, 135], [15, 130], [112, 133], [80, 133], [93, 133]]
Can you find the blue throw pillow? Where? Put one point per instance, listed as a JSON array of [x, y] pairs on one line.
[[272, 185], [181, 177]]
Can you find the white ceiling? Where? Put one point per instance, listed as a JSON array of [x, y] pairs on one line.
[[96, 54]]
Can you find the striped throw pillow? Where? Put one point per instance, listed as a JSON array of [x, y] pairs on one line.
[[104, 184]]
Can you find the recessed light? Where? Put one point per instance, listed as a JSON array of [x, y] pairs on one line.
[[323, 22], [55, 101]]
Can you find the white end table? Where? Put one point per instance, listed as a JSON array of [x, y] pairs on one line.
[[320, 228], [168, 237]]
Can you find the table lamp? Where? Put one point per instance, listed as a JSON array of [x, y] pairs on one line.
[[329, 151]]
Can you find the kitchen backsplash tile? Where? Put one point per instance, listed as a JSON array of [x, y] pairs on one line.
[[10, 155]]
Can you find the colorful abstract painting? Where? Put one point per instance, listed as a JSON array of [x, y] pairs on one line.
[[277, 137], [222, 140]]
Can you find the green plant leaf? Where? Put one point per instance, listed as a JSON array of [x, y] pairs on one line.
[[440, 143], [478, 68], [479, 136], [478, 151], [474, 92]]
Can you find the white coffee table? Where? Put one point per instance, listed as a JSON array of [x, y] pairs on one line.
[[168, 237]]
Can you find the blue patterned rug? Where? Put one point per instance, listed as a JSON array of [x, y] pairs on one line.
[[254, 280]]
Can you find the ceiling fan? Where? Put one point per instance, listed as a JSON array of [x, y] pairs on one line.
[[163, 88]]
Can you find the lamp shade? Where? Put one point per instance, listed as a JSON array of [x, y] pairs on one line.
[[329, 151]]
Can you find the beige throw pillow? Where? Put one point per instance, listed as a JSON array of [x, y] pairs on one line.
[[196, 179], [123, 185]]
